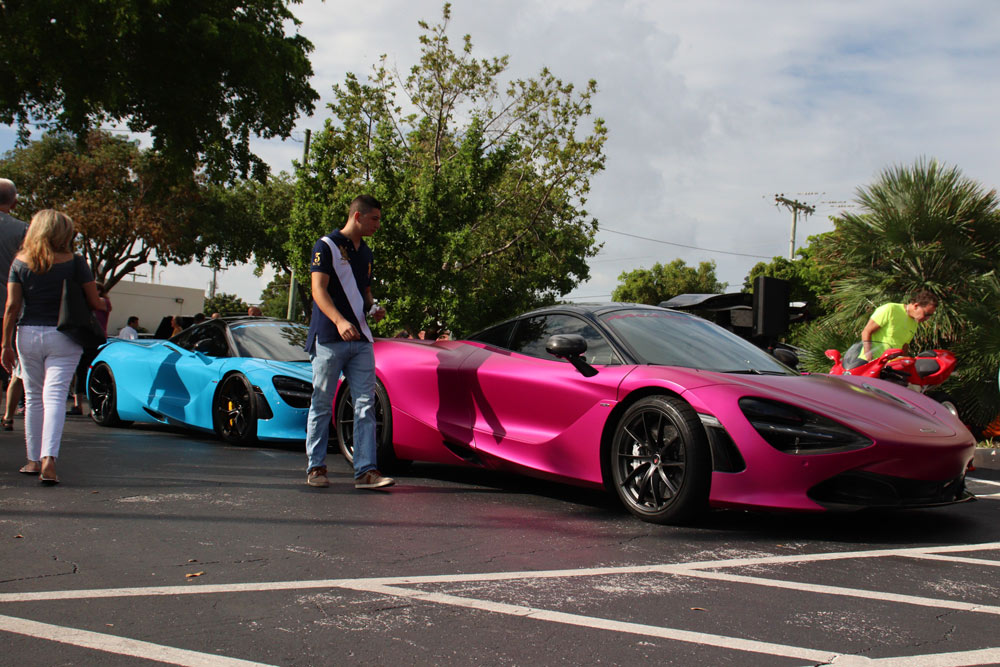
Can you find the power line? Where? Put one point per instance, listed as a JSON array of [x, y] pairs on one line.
[[681, 245]]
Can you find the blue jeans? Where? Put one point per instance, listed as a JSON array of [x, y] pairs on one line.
[[356, 360]]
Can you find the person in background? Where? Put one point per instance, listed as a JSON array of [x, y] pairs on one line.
[[216, 316], [893, 325], [175, 326], [12, 233], [47, 356], [15, 392], [131, 329], [254, 311], [82, 368], [198, 318]]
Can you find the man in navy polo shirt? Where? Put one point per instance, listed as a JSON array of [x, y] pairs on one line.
[[339, 340]]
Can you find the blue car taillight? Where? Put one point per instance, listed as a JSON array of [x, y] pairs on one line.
[[295, 392], [792, 430]]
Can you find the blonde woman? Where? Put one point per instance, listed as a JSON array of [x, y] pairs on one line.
[[47, 356]]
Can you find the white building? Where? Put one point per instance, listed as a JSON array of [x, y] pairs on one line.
[[151, 303]]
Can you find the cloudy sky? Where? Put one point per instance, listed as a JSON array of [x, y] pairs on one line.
[[713, 107]]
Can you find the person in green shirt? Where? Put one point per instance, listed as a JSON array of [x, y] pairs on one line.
[[893, 325]]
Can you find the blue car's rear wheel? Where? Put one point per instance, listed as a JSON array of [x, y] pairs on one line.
[[344, 424], [102, 394], [234, 412], [660, 462]]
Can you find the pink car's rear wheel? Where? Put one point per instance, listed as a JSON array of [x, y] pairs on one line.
[[660, 461]]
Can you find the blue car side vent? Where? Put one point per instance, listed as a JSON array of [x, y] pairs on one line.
[[295, 392]]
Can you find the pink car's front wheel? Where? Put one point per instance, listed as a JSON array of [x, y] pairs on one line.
[[344, 424], [660, 461]]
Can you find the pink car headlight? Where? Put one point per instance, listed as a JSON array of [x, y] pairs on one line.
[[793, 430]]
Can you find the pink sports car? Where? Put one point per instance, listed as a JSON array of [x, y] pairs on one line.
[[670, 412]]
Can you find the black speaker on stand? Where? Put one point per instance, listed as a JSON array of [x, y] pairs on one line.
[[770, 308]]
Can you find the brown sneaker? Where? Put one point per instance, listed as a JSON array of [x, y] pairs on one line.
[[372, 479], [317, 477]]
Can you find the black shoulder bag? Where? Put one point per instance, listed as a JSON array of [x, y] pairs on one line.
[[76, 319]]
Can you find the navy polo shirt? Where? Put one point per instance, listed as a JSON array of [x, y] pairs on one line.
[[350, 272]]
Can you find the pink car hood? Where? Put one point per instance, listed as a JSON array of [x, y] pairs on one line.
[[875, 407]]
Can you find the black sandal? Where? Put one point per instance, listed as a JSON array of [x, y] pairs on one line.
[[7, 424]]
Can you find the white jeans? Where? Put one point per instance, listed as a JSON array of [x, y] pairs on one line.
[[48, 360]]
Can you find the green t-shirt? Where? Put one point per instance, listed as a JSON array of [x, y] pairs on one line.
[[896, 328]]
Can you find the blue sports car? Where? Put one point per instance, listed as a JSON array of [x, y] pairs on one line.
[[246, 378]]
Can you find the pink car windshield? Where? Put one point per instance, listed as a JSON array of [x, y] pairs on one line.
[[669, 338]]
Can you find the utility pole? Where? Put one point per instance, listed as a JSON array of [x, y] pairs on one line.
[[795, 207], [292, 285], [211, 288]]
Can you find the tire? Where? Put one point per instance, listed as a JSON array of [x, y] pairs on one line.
[[234, 411], [103, 396], [944, 399], [343, 423], [660, 462]]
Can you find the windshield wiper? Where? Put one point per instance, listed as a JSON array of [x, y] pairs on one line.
[[752, 371]]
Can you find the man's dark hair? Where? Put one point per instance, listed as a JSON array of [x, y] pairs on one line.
[[134, 319], [924, 297], [363, 204], [199, 317]]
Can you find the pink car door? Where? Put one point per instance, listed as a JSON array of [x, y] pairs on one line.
[[533, 409]]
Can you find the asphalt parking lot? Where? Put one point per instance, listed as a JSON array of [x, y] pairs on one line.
[[163, 547]]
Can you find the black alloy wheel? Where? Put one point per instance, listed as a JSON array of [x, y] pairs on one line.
[[344, 425], [660, 462], [102, 394], [234, 412]]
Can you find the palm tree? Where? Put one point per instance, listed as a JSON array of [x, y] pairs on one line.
[[924, 226]]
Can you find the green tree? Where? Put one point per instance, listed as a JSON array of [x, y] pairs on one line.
[[921, 226], [250, 222], [225, 304], [664, 281], [200, 77], [274, 299], [482, 186], [126, 207]]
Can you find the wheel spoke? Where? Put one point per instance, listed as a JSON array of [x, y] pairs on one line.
[[630, 479], [651, 481], [649, 439], [637, 440], [667, 482], [641, 458]]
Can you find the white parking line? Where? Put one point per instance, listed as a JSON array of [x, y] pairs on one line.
[[988, 482], [957, 559], [955, 659], [117, 645], [705, 639], [396, 586], [937, 603]]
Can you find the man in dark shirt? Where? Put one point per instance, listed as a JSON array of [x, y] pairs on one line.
[[339, 340], [12, 233]]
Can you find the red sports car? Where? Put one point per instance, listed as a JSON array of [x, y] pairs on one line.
[[670, 412]]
